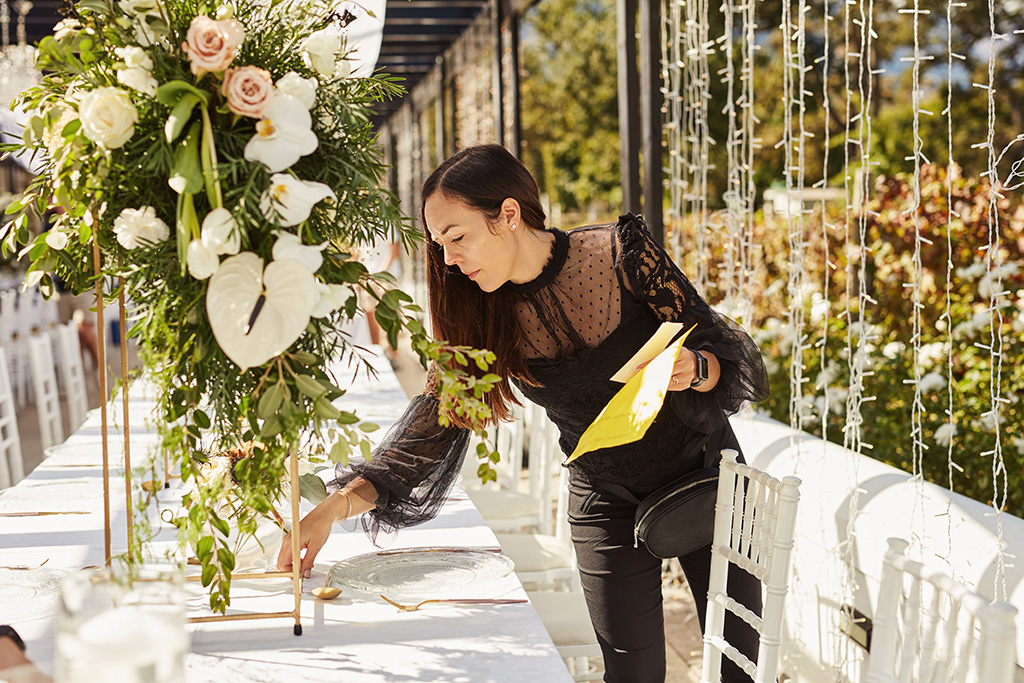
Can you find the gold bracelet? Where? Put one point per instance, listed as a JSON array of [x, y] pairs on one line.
[[348, 499]]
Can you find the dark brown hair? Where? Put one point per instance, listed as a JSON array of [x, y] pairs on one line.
[[482, 177]]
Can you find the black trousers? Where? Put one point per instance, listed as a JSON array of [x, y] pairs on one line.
[[622, 585]]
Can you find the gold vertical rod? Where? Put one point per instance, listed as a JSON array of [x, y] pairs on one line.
[[293, 466], [101, 361], [124, 412]]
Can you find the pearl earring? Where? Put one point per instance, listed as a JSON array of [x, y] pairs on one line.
[[513, 226]]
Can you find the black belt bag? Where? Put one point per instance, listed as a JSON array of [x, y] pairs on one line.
[[678, 518]]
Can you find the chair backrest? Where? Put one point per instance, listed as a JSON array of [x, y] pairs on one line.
[[929, 628], [12, 468], [44, 381], [755, 520], [73, 374]]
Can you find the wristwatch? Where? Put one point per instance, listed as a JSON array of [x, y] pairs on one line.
[[701, 367], [9, 632]]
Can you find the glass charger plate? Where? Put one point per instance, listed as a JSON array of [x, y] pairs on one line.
[[424, 573]]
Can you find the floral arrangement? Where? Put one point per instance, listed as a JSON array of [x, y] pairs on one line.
[[216, 163]]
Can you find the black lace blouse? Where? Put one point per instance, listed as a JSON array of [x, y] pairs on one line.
[[602, 294]]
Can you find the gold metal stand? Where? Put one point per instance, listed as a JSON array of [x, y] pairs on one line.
[[293, 474]]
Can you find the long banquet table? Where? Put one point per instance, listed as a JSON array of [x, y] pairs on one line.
[[355, 638]]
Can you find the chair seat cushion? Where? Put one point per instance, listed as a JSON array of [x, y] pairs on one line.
[[535, 552], [565, 617], [504, 504]]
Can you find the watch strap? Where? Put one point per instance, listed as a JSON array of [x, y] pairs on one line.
[[701, 367]]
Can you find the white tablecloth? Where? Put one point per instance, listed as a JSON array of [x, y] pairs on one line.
[[354, 638]]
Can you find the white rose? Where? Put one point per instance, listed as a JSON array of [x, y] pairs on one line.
[[136, 228], [302, 89], [202, 262], [56, 240], [138, 79], [108, 116], [320, 50], [221, 233], [289, 246], [332, 297], [134, 58]]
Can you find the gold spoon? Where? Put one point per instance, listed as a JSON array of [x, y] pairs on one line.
[[326, 591]]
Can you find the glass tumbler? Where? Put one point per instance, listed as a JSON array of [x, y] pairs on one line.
[[125, 625]]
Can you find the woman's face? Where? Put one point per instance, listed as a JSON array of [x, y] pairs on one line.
[[463, 233]]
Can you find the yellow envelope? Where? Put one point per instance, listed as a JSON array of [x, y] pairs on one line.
[[632, 410]]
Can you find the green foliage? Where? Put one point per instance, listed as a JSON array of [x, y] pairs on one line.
[[962, 378], [569, 102], [182, 155]]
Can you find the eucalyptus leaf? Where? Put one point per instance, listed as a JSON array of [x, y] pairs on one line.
[[312, 488]]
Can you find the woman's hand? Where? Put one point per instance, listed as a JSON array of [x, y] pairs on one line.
[[314, 530], [684, 371]]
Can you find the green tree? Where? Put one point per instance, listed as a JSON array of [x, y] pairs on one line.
[[569, 100]]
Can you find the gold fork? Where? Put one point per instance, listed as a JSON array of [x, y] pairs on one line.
[[461, 601]]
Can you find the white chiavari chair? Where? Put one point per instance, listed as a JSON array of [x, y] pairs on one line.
[[753, 531], [12, 468], [73, 374], [44, 382], [930, 628]]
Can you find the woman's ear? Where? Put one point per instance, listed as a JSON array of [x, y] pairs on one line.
[[510, 213]]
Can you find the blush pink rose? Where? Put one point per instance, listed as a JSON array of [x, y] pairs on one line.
[[248, 90], [210, 44]]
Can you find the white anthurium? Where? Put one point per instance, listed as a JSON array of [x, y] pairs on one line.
[[302, 89], [283, 135], [257, 313], [202, 261], [220, 232], [332, 297], [289, 246], [288, 200]]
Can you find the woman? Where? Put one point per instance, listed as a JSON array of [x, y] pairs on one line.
[[562, 312]]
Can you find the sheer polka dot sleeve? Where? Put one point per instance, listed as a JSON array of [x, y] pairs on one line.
[[413, 469], [654, 278]]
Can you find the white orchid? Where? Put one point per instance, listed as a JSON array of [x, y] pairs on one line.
[[201, 260], [220, 233], [302, 89], [290, 246], [332, 297], [283, 135], [288, 200]]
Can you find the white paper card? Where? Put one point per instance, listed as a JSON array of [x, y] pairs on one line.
[[658, 342]]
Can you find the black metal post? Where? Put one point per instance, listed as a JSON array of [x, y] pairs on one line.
[[497, 82], [650, 115], [515, 143], [629, 105]]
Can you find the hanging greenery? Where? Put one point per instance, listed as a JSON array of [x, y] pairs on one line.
[[221, 159]]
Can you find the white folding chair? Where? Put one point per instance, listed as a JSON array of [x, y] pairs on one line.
[[929, 628], [12, 468], [754, 531], [73, 374], [44, 382], [567, 621]]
